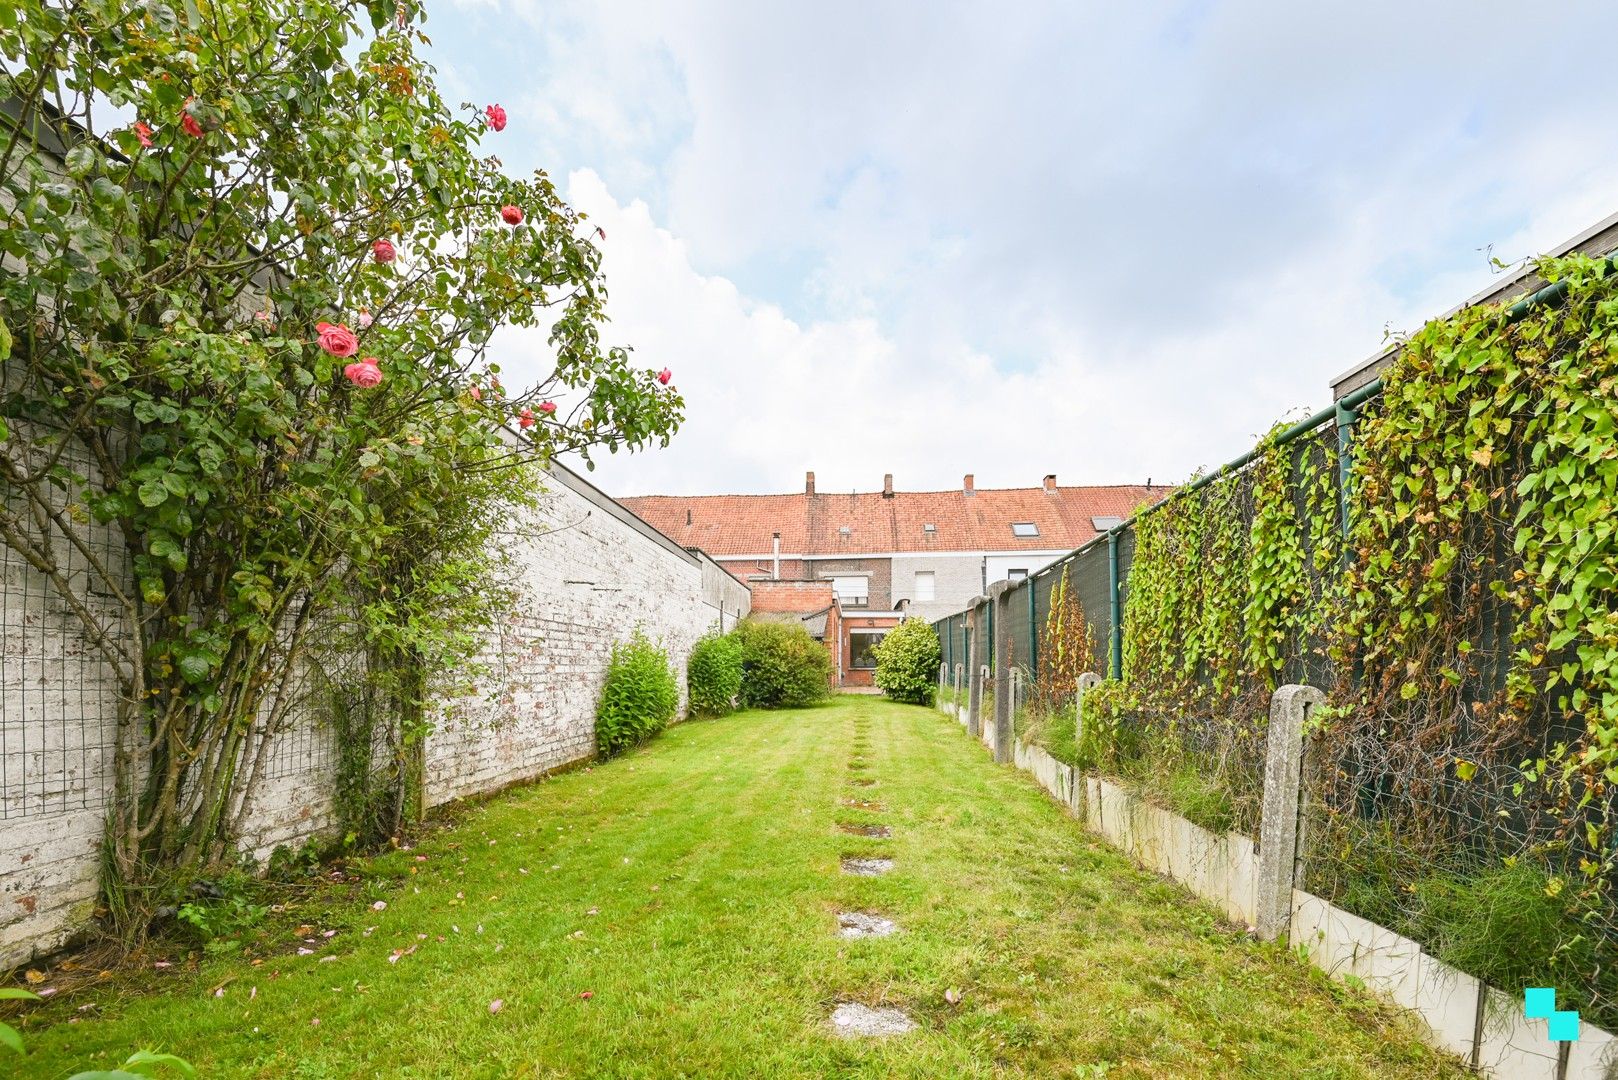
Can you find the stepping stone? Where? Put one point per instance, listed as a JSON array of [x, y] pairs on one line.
[[864, 804], [857, 924], [864, 781], [880, 832], [851, 1020], [866, 866]]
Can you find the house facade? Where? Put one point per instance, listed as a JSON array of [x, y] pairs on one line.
[[888, 554]]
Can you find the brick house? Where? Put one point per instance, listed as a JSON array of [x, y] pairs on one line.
[[849, 636], [887, 554]]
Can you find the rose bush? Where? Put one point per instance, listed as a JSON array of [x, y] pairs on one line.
[[174, 314]]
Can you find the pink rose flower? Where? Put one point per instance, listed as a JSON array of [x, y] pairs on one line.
[[512, 215], [477, 394], [144, 133], [365, 320], [547, 407], [382, 251], [364, 374], [495, 117], [337, 340], [601, 232], [525, 419], [664, 376]]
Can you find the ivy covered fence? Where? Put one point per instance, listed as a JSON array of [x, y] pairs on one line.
[[1440, 560]]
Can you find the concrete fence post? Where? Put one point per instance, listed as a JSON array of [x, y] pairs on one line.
[[974, 690], [959, 705], [984, 734], [1086, 682], [1000, 596], [1280, 823]]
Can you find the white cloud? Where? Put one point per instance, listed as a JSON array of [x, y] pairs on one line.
[[1109, 242]]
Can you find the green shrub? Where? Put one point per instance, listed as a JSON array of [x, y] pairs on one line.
[[714, 674], [640, 696], [782, 666], [907, 661]]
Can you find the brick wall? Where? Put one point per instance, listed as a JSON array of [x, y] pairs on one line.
[[879, 570], [590, 572]]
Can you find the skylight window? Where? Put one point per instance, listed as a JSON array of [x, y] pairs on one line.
[[929, 528], [1024, 528]]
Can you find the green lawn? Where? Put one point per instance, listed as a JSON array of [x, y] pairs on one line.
[[692, 889]]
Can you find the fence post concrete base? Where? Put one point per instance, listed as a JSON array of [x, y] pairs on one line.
[[1279, 819], [983, 733], [1086, 682]]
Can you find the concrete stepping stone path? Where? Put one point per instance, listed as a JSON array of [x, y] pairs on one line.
[[866, 866], [851, 1020], [858, 924]]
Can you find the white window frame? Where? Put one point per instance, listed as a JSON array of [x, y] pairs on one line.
[[931, 591], [862, 599], [1018, 527], [852, 634]]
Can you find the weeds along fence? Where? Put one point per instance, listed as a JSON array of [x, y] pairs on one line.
[[1436, 553]]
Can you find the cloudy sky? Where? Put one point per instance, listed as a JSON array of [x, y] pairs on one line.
[[1109, 241]]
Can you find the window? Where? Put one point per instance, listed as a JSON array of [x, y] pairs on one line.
[[1024, 529], [1016, 575], [861, 646], [929, 528], [925, 586], [852, 591]]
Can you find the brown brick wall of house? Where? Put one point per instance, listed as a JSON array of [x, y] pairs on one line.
[[747, 569], [880, 571]]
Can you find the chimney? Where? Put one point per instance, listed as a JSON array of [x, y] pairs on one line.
[[1050, 483], [887, 485], [966, 484], [775, 557], [808, 483], [688, 515]]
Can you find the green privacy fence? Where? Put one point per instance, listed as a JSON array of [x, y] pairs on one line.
[[1458, 794]]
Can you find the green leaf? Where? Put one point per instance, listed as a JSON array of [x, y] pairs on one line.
[[153, 493], [9, 1036], [195, 668]]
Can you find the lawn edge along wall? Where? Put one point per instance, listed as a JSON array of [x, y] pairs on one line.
[[592, 572], [1480, 1024]]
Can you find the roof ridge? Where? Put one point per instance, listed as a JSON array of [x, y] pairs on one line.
[[896, 493]]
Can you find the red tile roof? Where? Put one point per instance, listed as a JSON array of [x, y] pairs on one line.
[[730, 525]]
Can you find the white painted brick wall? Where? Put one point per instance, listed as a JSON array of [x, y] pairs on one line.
[[589, 571]]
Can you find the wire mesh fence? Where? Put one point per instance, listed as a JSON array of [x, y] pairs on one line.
[[1430, 816]]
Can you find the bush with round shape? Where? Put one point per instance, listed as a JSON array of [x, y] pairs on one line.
[[782, 666], [714, 674], [907, 661], [639, 698]]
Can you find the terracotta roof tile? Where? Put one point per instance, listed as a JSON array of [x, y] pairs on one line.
[[730, 525]]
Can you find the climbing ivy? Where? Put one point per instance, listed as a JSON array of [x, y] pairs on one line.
[[1464, 628]]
